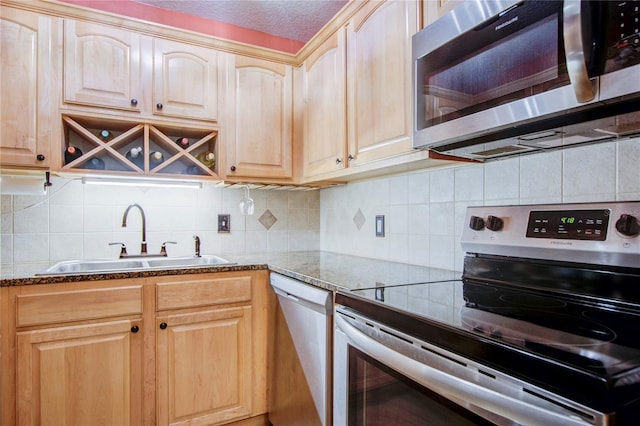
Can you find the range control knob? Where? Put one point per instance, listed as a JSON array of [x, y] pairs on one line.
[[476, 223], [628, 225], [494, 223]]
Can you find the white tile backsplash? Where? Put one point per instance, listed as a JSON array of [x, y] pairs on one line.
[[76, 221], [437, 199]]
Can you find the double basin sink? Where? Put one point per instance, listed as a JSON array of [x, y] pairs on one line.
[[75, 267]]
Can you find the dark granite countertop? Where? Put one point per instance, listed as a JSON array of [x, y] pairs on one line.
[[331, 271]]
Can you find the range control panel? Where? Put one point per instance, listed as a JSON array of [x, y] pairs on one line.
[[595, 233], [569, 225]]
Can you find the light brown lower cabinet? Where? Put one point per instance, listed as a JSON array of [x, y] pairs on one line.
[[171, 350], [80, 375]]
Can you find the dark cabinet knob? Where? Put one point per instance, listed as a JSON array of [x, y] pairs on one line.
[[135, 329], [338, 161], [233, 168], [40, 157], [628, 225], [159, 105], [134, 102], [476, 223], [163, 325], [494, 223], [351, 157]]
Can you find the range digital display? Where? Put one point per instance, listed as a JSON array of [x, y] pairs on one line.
[[569, 224]]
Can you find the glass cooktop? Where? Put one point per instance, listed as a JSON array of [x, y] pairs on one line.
[[596, 339]]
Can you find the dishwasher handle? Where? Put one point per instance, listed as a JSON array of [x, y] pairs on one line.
[[301, 293]]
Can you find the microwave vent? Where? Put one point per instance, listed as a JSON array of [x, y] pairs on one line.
[[500, 151]]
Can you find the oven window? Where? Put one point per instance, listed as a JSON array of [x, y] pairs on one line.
[[475, 73], [381, 396]]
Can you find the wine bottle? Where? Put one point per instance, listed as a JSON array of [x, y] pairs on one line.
[[71, 153], [155, 158], [193, 170], [183, 142], [95, 164], [207, 158], [135, 156], [105, 135]]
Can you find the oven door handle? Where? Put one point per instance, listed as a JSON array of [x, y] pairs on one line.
[[574, 50], [454, 388]]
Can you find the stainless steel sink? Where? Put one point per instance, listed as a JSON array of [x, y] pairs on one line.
[[76, 267], [186, 262]]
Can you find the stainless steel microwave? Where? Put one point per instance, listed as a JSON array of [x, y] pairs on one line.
[[500, 78]]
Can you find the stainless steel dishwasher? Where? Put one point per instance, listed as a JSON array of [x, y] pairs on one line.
[[301, 376]]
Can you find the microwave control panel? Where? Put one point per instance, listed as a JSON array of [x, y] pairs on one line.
[[624, 35]]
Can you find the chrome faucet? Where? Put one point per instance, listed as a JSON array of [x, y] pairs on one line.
[[197, 240], [143, 245]]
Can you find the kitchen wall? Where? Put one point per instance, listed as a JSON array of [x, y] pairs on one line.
[[76, 221], [424, 211]]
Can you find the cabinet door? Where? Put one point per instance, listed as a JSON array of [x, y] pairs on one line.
[[80, 375], [101, 66], [204, 366], [260, 102], [432, 10], [25, 88], [325, 116], [379, 64], [185, 80]]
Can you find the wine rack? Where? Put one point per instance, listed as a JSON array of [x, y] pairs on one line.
[[109, 154]]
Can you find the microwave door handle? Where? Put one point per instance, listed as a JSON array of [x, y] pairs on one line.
[[453, 387], [574, 51]]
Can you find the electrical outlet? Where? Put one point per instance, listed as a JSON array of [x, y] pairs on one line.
[[224, 223]]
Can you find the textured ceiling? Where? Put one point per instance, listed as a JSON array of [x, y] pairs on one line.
[[297, 20]]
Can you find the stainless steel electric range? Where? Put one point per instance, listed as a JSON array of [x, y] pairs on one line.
[[543, 327]]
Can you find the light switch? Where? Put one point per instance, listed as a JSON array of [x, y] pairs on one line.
[[380, 226]]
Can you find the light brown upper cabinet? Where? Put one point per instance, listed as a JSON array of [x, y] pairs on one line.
[[25, 88], [325, 114], [185, 80], [258, 121], [122, 71], [379, 79], [358, 91]]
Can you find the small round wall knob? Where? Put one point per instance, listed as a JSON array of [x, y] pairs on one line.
[[159, 105], [134, 102], [476, 223], [628, 225], [40, 157], [233, 168], [135, 329], [163, 325], [494, 223]]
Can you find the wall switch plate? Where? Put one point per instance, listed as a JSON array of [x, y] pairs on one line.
[[224, 223], [380, 226]]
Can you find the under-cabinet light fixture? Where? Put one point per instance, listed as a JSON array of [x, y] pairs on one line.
[[141, 182]]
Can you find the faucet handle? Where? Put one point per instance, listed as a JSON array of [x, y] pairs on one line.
[[123, 249], [163, 249]]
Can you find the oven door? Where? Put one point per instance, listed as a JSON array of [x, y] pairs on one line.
[[385, 377]]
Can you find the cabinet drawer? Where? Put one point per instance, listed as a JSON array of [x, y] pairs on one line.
[[66, 306], [203, 292]]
